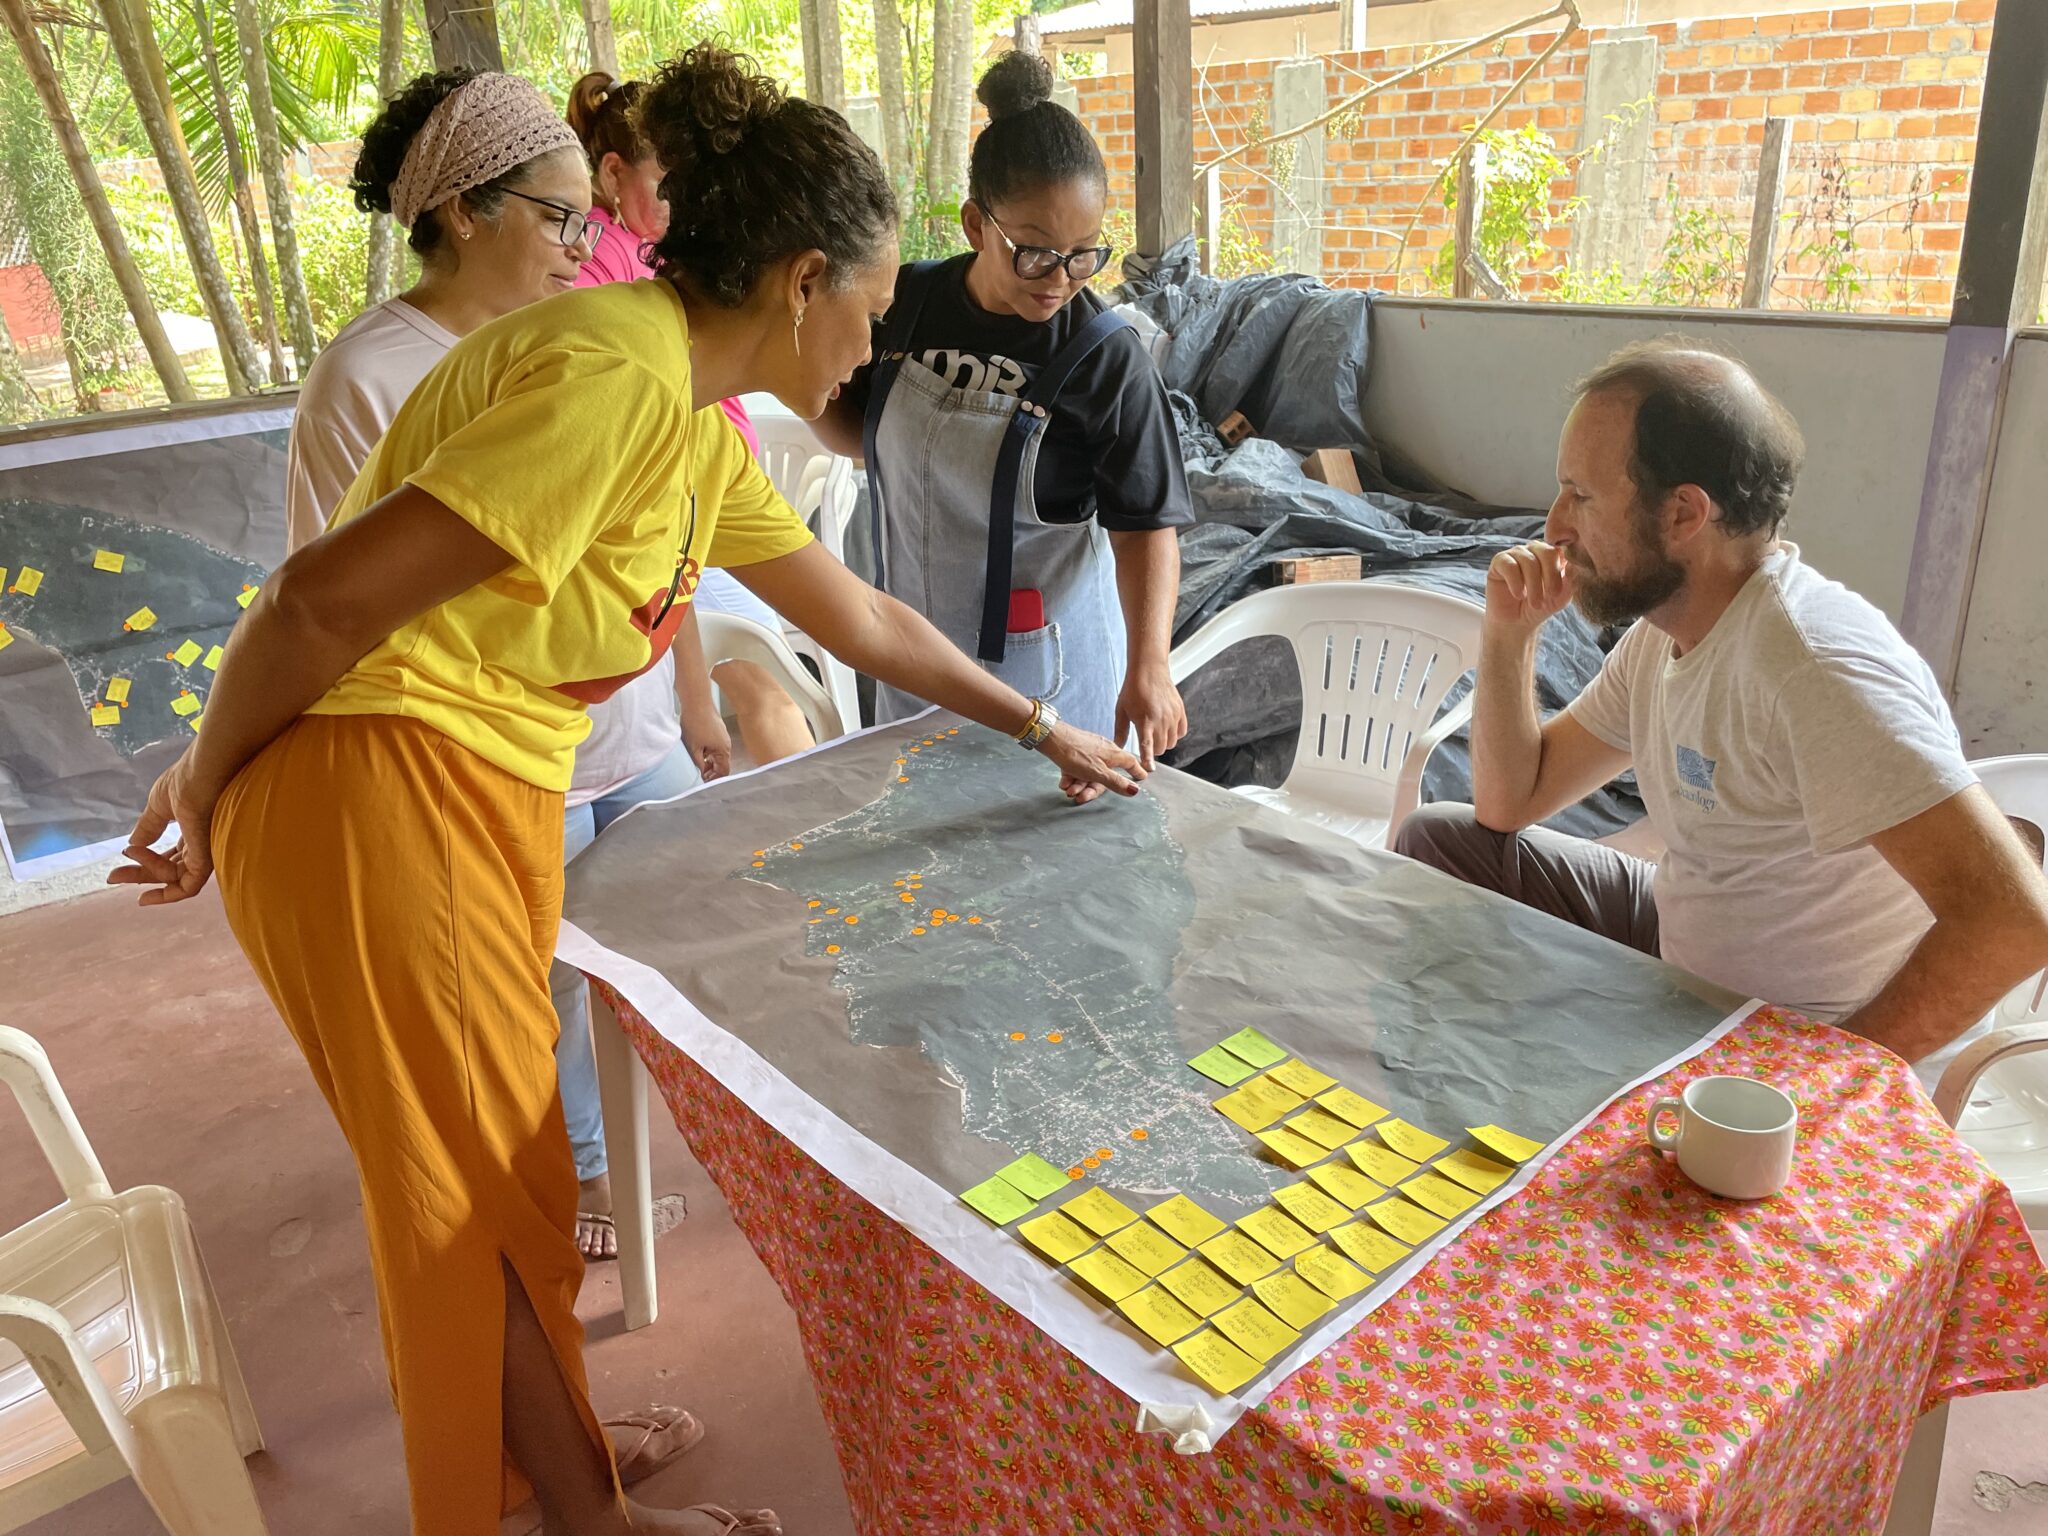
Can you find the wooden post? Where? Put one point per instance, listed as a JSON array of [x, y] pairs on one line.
[[1998, 286], [1471, 210], [1351, 25], [1028, 36], [464, 34], [1762, 262], [1163, 92]]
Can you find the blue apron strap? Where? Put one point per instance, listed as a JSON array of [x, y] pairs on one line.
[[913, 287], [1033, 410]]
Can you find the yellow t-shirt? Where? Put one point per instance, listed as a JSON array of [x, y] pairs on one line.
[[564, 433]]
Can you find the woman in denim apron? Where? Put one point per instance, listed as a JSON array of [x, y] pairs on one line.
[[1023, 468]]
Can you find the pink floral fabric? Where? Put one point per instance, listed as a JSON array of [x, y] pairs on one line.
[[1612, 1351]]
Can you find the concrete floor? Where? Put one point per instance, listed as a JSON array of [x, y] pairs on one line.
[[182, 1075]]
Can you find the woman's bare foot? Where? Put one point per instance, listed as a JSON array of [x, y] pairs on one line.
[[595, 1235]]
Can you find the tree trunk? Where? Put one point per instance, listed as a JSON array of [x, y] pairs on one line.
[[390, 67], [147, 325], [824, 59], [244, 194], [895, 114], [604, 47], [945, 167], [132, 49], [277, 187], [465, 34]]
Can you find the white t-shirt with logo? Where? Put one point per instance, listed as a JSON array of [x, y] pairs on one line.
[[1768, 756]]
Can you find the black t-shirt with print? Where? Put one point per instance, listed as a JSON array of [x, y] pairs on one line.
[[1109, 450]]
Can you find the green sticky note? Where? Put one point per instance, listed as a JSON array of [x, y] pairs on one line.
[[1033, 1175], [1218, 1065], [1000, 1202], [1249, 1045]]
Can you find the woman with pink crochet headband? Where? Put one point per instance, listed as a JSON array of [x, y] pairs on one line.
[[380, 780]]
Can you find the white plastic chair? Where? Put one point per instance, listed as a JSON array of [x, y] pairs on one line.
[[787, 447], [1995, 1092], [114, 1358], [825, 500], [1376, 660], [728, 637]]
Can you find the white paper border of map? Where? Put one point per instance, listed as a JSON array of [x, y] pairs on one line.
[[105, 442], [994, 1258]]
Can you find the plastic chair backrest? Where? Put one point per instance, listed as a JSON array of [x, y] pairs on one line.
[[1375, 659], [728, 637], [787, 448], [825, 500], [26, 1070]]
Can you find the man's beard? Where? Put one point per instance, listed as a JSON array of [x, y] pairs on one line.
[[1613, 600]]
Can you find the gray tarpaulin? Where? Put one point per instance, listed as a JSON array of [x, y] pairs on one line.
[[1292, 356]]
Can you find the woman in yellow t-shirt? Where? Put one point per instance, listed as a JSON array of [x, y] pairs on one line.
[[379, 776]]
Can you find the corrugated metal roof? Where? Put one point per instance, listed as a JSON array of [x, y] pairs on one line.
[[1095, 16]]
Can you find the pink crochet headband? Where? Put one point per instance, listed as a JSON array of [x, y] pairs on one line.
[[478, 131]]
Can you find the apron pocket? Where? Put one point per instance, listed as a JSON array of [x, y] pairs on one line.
[[1031, 663]]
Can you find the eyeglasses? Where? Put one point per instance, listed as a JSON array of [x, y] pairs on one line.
[[575, 225], [1031, 262]]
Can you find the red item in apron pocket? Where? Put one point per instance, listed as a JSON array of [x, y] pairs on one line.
[[1027, 610]]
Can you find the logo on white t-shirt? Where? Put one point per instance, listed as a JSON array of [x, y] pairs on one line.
[[1695, 776]]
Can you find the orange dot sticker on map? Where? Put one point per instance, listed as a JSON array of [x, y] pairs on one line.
[[106, 714], [906, 896], [831, 949], [107, 560], [27, 580], [1055, 1037], [1016, 1034], [140, 619], [246, 596], [117, 691], [814, 903]]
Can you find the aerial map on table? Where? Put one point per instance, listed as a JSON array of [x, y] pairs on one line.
[[1214, 1027]]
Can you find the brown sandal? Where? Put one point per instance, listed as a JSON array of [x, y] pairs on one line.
[[665, 1435]]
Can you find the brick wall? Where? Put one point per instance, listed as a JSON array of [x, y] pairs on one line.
[[1883, 101]]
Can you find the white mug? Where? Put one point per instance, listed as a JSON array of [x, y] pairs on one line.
[[1735, 1135]]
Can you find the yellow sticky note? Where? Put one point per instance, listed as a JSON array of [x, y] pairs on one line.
[[1311, 1207], [1345, 1184], [187, 653], [1249, 1045], [1516, 1149], [1292, 1299], [1145, 1247], [1239, 1257], [1099, 1211], [1331, 1273], [28, 579], [1409, 1222], [1107, 1275], [246, 597], [1439, 1194], [1199, 1286], [1258, 1103], [213, 658], [1302, 1078], [5, 638], [1478, 1173], [1321, 1127], [107, 560], [185, 704], [105, 714], [1295, 1151], [193, 721], [117, 691], [3, 578], [1186, 1220], [1369, 1246], [1354, 1107], [1410, 1141], [1375, 1161], [141, 618], [1158, 1314], [1277, 1232], [1220, 1364], [1054, 1236], [1254, 1330]]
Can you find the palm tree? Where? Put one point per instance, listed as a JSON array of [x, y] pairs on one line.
[[43, 72], [135, 48], [277, 189]]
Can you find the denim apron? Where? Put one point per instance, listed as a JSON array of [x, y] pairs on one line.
[[956, 525]]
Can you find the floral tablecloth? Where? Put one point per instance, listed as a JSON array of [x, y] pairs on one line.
[[1612, 1351]]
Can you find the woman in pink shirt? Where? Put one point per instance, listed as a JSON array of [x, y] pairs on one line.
[[626, 200]]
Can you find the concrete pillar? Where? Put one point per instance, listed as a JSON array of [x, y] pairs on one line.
[[1299, 96], [1621, 83], [1065, 93]]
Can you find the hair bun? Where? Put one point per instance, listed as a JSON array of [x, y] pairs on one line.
[[703, 103], [1015, 83]]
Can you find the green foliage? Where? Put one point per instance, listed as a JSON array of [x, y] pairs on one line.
[[1520, 208]]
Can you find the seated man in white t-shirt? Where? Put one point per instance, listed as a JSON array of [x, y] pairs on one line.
[[1829, 848]]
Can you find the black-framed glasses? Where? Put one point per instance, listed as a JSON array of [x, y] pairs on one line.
[[576, 225], [1031, 262]]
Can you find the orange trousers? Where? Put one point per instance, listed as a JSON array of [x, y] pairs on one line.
[[398, 897]]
